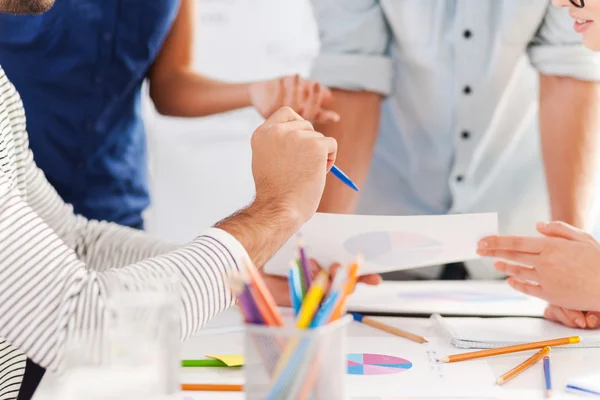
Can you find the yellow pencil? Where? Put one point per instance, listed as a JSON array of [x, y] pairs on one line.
[[523, 366], [313, 298], [510, 349]]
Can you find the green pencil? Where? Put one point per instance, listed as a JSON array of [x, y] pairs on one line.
[[203, 363]]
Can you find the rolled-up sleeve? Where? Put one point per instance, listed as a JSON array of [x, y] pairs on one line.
[[355, 40], [558, 50]]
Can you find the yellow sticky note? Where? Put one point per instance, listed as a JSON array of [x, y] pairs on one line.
[[231, 360]]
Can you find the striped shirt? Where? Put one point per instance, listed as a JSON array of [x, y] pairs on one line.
[[55, 266]]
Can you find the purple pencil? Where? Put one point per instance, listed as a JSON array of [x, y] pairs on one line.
[[245, 300], [305, 265]]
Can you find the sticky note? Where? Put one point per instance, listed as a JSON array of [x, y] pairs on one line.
[[231, 360]]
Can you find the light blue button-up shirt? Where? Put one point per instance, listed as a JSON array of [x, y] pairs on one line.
[[458, 129]]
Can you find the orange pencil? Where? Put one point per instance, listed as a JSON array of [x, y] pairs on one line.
[[264, 300], [351, 284], [201, 387], [510, 349], [523, 366]]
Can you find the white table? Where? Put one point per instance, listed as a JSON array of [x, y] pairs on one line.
[[566, 363]]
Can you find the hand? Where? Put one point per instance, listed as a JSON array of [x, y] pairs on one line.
[[289, 164], [572, 318], [562, 267], [306, 97], [281, 292]]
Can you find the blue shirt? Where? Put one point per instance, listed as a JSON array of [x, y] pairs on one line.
[[79, 69]]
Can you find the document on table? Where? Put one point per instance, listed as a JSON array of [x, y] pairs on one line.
[[388, 243], [388, 367], [449, 298], [483, 333]]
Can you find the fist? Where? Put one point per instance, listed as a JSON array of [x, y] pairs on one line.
[[289, 164]]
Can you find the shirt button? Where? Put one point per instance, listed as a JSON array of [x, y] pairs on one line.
[[98, 79], [467, 34], [89, 126], [467, 90], [80, 165], [465, 135], [460, 178], [107, 36]]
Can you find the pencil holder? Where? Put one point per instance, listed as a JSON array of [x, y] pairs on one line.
[[290, 363]]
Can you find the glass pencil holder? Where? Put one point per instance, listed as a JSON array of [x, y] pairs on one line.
[[291, 363]]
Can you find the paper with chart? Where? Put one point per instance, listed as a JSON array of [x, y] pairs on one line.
[[450, 298], [388, 243], [391, 367]]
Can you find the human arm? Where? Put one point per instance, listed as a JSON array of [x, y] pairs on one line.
[[177, 90], [354, 61], [47, 290], [569, 118], [569, 126]]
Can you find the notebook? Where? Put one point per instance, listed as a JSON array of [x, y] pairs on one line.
[[587, 385], [487, 333]]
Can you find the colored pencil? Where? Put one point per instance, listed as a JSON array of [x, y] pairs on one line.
[[263, 298], [203, 363], [547, 376], [510, 349], [246, 303], [312, 300], [336, 291], [195, 387], [350, 285], [523, 366], [389, 329], [295, 290], [305, 266]]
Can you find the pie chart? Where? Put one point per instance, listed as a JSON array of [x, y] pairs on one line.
[[393, 248], [376, 364]]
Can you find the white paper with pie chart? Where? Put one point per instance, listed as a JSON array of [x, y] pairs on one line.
[[388, 243]]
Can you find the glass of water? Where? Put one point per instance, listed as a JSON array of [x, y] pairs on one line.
[[136, 356]]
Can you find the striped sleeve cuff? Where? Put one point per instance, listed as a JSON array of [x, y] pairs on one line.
[[229, 245]]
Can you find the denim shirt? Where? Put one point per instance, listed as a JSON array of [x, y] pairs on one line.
[[79, 69]]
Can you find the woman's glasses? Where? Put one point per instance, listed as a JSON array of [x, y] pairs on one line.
[[578, 3]]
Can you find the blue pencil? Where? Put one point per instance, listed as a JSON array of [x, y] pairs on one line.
[[343, 177], [547, 377], [295, 288]]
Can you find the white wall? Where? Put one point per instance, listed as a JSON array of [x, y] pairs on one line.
[[200, 168]]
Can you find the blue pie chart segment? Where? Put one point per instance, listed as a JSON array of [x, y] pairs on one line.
[[376, 364], [393, 248]]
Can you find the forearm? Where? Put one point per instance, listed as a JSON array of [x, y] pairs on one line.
[[570, 127], [262, 229], [355, 133], [186, 93], [47, 291]]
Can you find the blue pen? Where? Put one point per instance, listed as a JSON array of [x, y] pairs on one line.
[[547, 377], [343, 177]]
